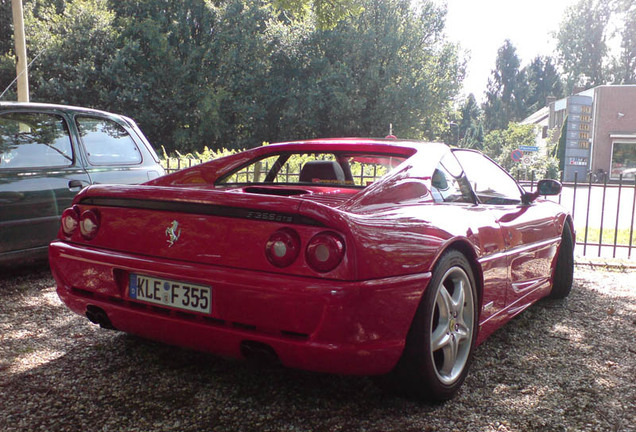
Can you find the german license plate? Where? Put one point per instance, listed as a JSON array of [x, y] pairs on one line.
[[179, 295]]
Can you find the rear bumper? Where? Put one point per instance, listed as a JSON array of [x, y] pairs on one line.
[[311, 323]]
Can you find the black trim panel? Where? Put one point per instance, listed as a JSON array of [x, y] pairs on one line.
[[202, 209]]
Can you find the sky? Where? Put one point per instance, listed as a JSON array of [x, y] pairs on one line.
[[482, 26]]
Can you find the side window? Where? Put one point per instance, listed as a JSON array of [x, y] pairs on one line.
[[34, 140], [448, 182], [490, 182], [107, 142]]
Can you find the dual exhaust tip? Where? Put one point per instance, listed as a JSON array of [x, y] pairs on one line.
[[253, 351], [97, 315]]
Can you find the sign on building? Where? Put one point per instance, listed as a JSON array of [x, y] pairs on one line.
[[578, 138]]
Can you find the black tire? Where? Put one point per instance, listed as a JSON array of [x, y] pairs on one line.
[[564, 269], [447, 317]]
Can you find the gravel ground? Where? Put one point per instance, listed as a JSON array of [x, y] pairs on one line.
[[561, 366]]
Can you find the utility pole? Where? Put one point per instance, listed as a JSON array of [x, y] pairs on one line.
[[20, 51]]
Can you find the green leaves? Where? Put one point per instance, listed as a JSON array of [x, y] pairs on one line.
[[499, 145], [327, 13], [588, 29], [234, 73]]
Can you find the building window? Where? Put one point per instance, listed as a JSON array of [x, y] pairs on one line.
[[623, 160]]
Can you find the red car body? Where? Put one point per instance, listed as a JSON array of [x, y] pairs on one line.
[[351, 319]]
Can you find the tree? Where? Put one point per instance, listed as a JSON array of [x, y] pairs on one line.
[[7, 51], [326, 12], [235, 73], [542, 81], [389, 64], [504, 103], [624, 69], [76, 44], [499, 144], [163, 69], [581, 44], [471, 131]]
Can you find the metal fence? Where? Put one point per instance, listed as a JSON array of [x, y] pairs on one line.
[[175, 164], [604, 213]]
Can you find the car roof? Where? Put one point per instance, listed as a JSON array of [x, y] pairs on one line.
[[49, 106]]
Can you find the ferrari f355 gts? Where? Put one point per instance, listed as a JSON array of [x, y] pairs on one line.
[[347, 256]]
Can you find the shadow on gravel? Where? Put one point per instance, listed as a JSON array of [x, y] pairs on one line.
[[559, 366]]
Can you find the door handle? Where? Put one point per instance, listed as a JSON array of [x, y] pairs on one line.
[[76, 184]]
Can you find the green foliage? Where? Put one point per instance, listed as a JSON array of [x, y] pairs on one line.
[[327, 13], [581, 43], [7, 52], [542, 81], [624, 67], [594, 236], [499, 145], [234, 73], [504, 97], [180, 161], [389, 64], [587, 30], [471, 130], [77, 45], [515, 93]]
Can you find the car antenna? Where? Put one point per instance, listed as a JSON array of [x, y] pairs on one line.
[[20, 74], [390, 135]]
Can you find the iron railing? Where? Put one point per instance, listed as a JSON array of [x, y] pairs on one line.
[[604, 213]]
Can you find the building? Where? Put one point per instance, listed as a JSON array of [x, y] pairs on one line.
[[614, 131], [601, 132]]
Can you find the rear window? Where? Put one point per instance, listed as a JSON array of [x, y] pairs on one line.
[[322, 168], [107, 142], [34, 140]]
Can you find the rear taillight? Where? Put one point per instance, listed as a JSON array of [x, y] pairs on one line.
[[325, 251], [70, 221], [89, 224], [283, 247]]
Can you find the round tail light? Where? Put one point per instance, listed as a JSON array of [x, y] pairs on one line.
[[89, 224], [283, 247], [325, 251], [70, 221]]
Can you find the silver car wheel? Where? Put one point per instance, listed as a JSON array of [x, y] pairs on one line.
[[452, 325]]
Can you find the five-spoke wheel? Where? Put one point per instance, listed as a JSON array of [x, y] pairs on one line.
[[452, 324], [441, 340]]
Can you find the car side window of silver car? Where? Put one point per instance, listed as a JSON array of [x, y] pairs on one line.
[[34, 140], [107, 142]]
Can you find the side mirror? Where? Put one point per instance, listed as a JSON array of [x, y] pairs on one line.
[[544, 187], [549, 187]]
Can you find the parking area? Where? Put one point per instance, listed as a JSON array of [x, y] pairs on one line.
[[560, 366]]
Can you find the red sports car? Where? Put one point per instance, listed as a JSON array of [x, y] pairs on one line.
[[348, 256]]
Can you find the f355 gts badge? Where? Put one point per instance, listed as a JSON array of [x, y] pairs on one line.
[[173, 232]]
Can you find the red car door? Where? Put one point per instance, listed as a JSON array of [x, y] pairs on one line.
[[530, 233]]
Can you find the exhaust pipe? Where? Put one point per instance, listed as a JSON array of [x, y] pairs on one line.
[[259, 353], [98, 316]]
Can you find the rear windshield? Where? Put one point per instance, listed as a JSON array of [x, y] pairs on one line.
[[323, 168]]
